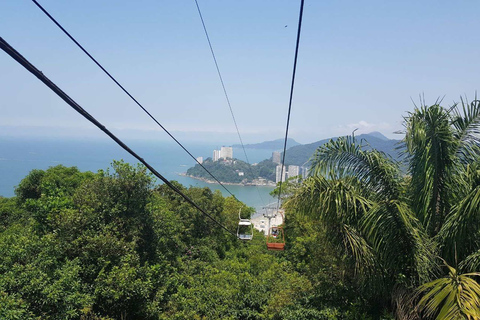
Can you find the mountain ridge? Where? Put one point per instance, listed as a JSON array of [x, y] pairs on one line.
[[274, 145], [300, 154]]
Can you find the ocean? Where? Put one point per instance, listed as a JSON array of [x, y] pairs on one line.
[[18, 156]]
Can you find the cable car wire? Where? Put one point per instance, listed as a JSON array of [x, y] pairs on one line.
[[30, 67], [300, 18], [128, 93], [225, 92]]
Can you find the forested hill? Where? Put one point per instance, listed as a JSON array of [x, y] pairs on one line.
[[273, 145], [234, 171], [300, 154]]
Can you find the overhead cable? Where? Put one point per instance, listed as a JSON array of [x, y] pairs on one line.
[[128, 93], [225, 92], [300, 17], [27, 65]]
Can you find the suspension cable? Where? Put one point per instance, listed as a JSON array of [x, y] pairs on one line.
[[290, 100], [128, 94], [27, 65], [225, 93]]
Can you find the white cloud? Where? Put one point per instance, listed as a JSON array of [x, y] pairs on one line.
[[363, 126]]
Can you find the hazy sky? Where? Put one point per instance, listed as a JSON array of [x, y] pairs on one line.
[[360, 64]]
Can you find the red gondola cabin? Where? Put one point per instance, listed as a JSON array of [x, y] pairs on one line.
[[276, 239]]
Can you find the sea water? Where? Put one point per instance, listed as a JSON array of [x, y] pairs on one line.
[[18, 156]]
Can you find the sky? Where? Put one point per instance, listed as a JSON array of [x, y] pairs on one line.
[[361, 65]]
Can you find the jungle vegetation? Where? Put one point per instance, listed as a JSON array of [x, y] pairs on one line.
[[411, 242], [368, 237], [113, 245]]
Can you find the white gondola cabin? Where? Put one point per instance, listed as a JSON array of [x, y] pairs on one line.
[[245, 228]]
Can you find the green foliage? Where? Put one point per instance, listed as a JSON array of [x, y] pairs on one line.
[[265, 169], [431, 148], [13, 308], [289, 187], [9, 212], [388, 230], [45, 193], [231, 208], [126, 290], [111, 245], [248, 284], [360, 238], [32, 272], [456, 296], [29, 187]]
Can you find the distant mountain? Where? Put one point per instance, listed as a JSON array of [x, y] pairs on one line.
[[378, 135], [274, 145], [299, 155]]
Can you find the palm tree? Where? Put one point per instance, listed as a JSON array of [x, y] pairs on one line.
[[393, 220], [453, 297]]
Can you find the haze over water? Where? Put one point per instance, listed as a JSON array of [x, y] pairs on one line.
[[18, 156]]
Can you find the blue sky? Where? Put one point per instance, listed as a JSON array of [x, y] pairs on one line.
[[360, 65]]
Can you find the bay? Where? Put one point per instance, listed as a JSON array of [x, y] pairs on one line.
[[18, 156]]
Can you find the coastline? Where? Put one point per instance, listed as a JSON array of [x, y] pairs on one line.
[[247, 184]]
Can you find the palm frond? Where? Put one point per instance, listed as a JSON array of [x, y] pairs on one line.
[[399, 238], [471, 262], [459, 235], [359, 249], [456, 296], [339, 205], [345, 157], [466, 121], [332, 201], [431, 147], [404, 304]]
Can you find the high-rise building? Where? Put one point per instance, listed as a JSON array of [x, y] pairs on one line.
[[226, 153], [216, 155], [200, 160], [276, 157], [278, 174], [293, 171], [305, 172]]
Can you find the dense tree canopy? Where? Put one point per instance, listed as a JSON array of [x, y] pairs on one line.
[[367, 237], [113, 245]]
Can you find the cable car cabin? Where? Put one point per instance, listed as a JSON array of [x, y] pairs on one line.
[[245, 230], [276, 239]]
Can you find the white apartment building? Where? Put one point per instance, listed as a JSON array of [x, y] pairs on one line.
[[305, 172], [200, 160], [278, 174], [276, 157], [226, 153], [216, 155], [293, 171]]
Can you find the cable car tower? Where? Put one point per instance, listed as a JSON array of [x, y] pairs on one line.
[[270, 213]]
